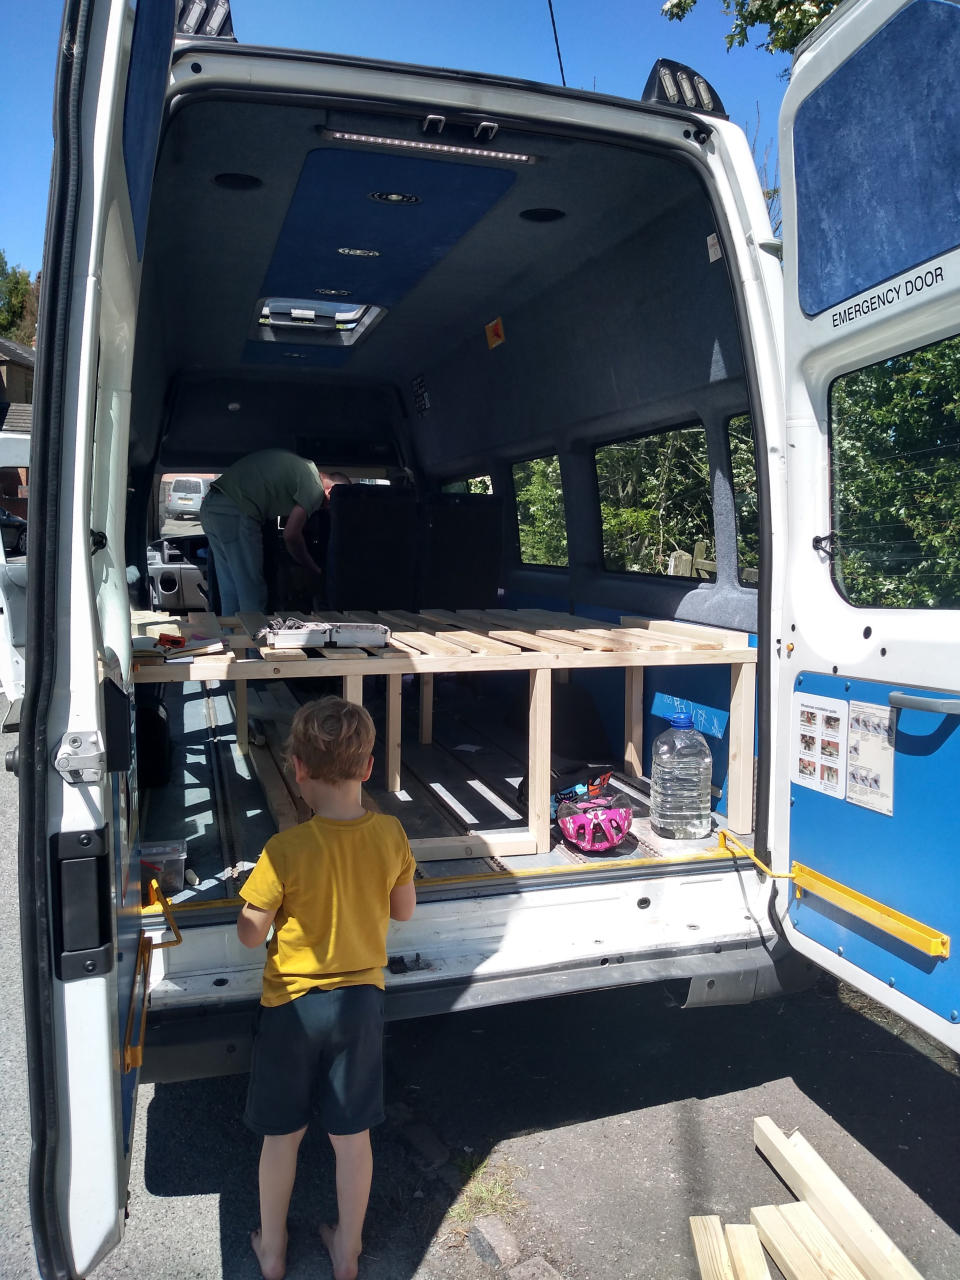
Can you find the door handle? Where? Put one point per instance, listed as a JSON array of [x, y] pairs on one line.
[[943, 706]]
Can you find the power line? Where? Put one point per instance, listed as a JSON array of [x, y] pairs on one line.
[[556, 41]]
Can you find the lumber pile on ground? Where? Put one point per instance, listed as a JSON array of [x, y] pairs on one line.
[[825, 1234]]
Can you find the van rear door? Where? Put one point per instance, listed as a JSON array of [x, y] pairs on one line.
[[866, 728], [83, 959]]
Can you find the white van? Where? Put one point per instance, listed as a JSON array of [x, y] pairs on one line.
[[573, 308]]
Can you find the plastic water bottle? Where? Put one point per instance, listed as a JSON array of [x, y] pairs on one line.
[[680, 782]]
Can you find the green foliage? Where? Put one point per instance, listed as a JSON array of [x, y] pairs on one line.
[[787, 21], [895, 453], [543, 533], [18, 311], [654, 499]]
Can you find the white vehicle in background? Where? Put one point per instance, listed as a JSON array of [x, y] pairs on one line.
[[184, 498], [509, 299]]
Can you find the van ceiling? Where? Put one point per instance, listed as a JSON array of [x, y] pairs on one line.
[[255, 200]]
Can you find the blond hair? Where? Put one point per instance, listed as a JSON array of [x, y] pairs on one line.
[[333, 739]]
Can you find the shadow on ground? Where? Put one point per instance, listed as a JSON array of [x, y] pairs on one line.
[[480, 1078]]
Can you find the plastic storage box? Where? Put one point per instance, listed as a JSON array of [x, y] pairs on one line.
[[164, 863]]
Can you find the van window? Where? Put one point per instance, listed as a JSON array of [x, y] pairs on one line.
[[743, 468], [186, 486], [540, 520], [655, 504], [895, 476], [472, 484]]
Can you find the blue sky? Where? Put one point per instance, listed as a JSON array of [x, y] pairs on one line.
[[607, 45]]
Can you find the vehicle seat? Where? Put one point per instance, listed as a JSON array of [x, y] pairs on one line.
[[371, 560], [461, 551]]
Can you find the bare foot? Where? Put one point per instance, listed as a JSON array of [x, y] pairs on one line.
[[273, 1266], [344, 1259]]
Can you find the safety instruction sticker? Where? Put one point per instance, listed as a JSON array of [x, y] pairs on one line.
[[819, 742], [870, 756]]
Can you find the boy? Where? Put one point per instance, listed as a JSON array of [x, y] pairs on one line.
[[329, 887]]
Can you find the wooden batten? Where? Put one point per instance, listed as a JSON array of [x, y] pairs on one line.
[[746, 1252], [713, 1258]]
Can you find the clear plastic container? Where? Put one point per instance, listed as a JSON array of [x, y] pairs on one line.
[[164, 863], [680, 782]]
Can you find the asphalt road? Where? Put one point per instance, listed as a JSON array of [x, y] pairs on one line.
[[593, 1125]]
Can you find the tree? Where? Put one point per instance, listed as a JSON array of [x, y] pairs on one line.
[[18, 302], [787, 21]]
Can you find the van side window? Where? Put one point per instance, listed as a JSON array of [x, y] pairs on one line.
[[655, 504], [471, 484], [895, 479], [743, 468], [540, 520]]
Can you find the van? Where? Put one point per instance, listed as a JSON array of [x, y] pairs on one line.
[[184, 497], [635, 465]]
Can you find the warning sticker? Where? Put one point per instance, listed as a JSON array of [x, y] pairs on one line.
[[870, 756], [819, 743]]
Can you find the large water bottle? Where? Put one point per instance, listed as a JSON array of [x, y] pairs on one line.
[[680, 782]]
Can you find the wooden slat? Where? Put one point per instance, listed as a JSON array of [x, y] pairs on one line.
[[585, 639], [393, 732], [789, 1253], [741, 729], [279, 801], [824, 1246], [810, 1178], [426, 709], [476, 844], [627, 639], [242, 713], [451, 628], [746, 1252], [538, 768], [633, 722], [711, 1248], [693, 630]]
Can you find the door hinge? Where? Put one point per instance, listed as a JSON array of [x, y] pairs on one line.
[[81, 757], [823, 542]]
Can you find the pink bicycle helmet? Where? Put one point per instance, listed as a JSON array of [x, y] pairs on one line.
[[597, 824]]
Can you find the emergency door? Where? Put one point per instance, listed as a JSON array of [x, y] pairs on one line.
[[865, 792]]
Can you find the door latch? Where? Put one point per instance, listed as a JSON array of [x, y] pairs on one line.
[[81, 757]]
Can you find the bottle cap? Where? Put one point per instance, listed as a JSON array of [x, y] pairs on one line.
[[682, 720]]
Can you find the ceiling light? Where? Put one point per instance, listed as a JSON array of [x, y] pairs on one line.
[[335, 293], [393, 197], [234, 406], [437, 148], [360, 253]]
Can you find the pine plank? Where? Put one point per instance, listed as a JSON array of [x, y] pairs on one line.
[[538, 768], [787, 1251], [819, 1241], [810, 1178], [746, 1252], [711, 1248]]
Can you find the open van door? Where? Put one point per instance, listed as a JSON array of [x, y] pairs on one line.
[[83, 954], [866, 751]]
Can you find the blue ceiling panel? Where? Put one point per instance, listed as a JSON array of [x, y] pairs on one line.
[[331, 210]]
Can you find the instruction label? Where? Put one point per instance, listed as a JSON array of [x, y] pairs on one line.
[[870, 756], [819, 744]]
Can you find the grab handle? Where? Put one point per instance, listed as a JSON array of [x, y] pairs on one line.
[[943, 706]]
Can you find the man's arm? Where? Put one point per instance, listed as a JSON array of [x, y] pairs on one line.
[[253, 925], [295, 542], [403, 899]]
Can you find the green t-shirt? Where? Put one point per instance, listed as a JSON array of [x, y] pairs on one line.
[[271, 483]]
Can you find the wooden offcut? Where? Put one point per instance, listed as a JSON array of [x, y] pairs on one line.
[[810, 1178], [711, 1248], [746, 1252]]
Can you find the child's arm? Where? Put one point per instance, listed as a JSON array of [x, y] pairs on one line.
[[253, 925], [403, 899]]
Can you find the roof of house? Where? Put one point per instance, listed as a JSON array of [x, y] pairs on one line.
[[15, 417], [17, 353]]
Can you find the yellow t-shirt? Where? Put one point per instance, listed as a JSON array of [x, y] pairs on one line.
[[330, 884]]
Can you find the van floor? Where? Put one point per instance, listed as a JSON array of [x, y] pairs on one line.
[[225, 805]]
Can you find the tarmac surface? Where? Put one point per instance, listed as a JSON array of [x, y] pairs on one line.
[[588, 1127]]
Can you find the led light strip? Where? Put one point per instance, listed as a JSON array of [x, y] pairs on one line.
[[440, 148]]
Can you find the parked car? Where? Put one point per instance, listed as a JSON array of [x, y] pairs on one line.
[[13, 530], [185, 496]]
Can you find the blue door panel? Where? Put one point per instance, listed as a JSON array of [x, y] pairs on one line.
[[907, 861]]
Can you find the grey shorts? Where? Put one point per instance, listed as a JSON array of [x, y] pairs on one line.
[[323, 1050]]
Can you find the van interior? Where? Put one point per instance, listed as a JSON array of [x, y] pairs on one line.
[[525, 343]]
